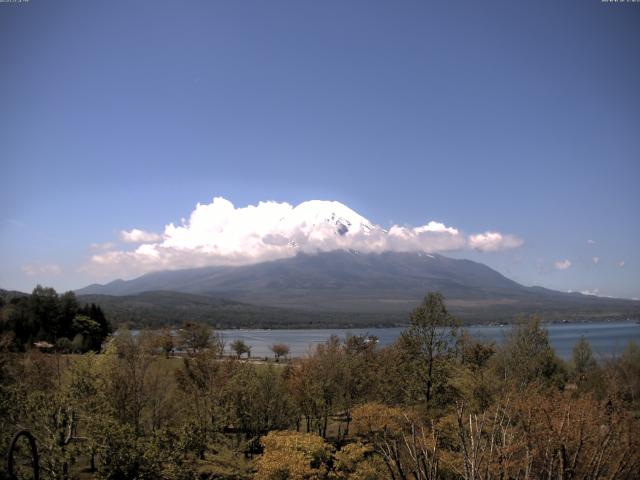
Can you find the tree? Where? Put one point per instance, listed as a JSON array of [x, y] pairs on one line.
[[94, 312], [356, 344], [526, 356], [407, 446], [240, 348], [559, 436], [358, 461], [198, 336], [582, 358], [293, 455], [315, 384], [64, 345], [41, 404], [44, 309], [473, 381], [428, 343], [88, 334], [623, 375], [125, 377], [165, 341], [258, 400], [45, 315], [68, 311], [357, 371], [202, 380], [280, 350], [474, 353]]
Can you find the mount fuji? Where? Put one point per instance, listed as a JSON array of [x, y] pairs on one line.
[[218, 233], [323, 261], [336, 288]]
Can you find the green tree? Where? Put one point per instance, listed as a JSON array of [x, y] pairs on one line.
[[44, 309], [473, 380], [258, 399], [124, 379], [428, 344], [88, 334], [240, 348], [16, 317], [94, 312], [582, 358], [68, 311], [202, 382], [356, 374], [194, 337], [526, 356], [316, 384]]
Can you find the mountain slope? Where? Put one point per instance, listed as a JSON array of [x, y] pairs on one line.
[[361, 274], [343, 283]]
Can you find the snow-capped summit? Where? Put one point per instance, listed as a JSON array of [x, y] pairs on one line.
[[321, 217]]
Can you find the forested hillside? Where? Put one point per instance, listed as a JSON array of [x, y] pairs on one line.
[[157, 309]]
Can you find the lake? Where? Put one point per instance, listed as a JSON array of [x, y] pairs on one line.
[[606, 338]]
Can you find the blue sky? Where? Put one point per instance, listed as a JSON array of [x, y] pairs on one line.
[[512, 117]]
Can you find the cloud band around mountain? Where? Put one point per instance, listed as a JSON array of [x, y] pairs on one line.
[[218, 233]]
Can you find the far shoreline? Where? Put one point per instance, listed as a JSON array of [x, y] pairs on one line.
[[515, 321]]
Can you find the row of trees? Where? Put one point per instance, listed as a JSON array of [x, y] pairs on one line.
[[436, 404], [59, 320], [194, 337]]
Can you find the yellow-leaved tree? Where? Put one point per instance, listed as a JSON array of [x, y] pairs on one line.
[[290, 455]]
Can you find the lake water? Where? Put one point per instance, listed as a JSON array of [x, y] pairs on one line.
[[606, 338]]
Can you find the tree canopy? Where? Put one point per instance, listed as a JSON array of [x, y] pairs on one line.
[[58, 319]]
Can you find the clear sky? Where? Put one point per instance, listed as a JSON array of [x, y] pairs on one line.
[[503, 116]]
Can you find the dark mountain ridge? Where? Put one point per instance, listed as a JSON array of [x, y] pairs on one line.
[[383, 287]]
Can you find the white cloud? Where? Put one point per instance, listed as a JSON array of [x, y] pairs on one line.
[[138, 236], [218, 233], [493, 241], [102, 246], [436, 227], [591, 242], [38, 270], [621, 264], [562, 264], [596, 260], [432, 237], [595, 292]]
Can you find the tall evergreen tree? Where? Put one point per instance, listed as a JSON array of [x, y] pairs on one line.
[[44, 309]]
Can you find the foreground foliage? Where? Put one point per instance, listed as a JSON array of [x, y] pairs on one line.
[[437, 404]]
